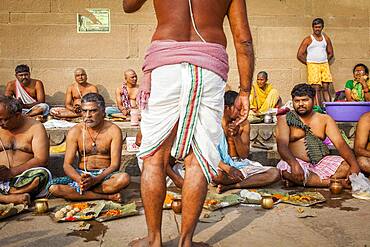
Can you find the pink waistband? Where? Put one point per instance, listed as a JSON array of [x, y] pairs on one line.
[[210, 56]]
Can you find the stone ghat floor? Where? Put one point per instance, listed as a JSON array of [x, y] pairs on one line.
[[341, 221]]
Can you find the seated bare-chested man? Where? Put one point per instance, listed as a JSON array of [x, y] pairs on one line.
[[24, 152], [73, 96], [236, 171], [362, 143], [29, 91], [99, 145], [300, 134], [125, 94]]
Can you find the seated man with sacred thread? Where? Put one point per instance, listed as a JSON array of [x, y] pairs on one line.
[[29, 91], [24, 153], [235, 170], [73, 96], [300, 135], [99, 145], [263, 95], [125, 95]]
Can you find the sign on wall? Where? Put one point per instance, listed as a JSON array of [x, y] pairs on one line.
[[94, 21]]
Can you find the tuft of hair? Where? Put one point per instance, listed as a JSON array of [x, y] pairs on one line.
[[303, 89], [363, 65], [94, 97], [21, 68], [318, 21], [11, 104], [264, 73], [230, 97]]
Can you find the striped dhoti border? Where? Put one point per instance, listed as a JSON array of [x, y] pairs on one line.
[[193, 97]]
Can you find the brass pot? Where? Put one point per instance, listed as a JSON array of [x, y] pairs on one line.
[[176, 206], [267, 202], [336, 187], [41, 205]]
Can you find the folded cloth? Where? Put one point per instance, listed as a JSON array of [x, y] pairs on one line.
[[325, 168], [26, 178], [193, 97], [54, 123], [45, 109], [111, 110], [69, 181], [246, 166], [22, 94]]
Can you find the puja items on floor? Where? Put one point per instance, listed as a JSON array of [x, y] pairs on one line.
[[360, 186], [99, 210], [216, 201], [7, 210]]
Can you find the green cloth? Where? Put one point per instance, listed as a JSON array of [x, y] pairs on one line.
[[357, 92], [316, 149], [28, 177]]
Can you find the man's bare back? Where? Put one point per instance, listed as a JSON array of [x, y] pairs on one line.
[[177, 25]]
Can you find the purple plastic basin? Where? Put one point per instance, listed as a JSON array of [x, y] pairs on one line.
[[346, 111]]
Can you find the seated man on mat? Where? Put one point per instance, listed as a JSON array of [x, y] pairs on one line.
[[73, 96], [99, 145], [235, 170], [125, 95], [300, 135], [29, 91], [24, 153]]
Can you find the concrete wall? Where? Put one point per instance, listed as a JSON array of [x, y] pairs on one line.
[[42, 34]]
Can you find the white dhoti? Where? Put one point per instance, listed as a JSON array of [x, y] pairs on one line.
[[192, 96]]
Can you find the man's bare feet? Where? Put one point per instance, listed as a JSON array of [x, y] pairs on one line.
[[115, 197], [140, 242], [17, 199]]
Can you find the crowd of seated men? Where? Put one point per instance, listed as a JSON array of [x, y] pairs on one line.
[[98, 142]]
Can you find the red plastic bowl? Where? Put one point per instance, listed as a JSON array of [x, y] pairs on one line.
[[346, 111]]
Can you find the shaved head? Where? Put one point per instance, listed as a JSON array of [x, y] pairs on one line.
[[80, 71]]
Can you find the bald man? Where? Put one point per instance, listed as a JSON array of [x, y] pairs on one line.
[[73, 96], [125, 94]]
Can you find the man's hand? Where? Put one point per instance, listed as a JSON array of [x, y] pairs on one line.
[[124, 111], [87, 181], [354, 169], [232, 129], [297, 173], [244, 105], [235, 174], [5, 173], [77, 108]]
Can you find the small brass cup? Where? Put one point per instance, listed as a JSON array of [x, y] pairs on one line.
[[267, 202], [336, 187], [41, 206]]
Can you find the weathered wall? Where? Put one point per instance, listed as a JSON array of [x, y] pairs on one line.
[[42, 34]]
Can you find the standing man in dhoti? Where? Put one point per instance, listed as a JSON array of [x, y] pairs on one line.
[[185, 72]]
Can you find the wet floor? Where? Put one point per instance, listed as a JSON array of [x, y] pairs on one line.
[[335, 201], [95, 233]]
